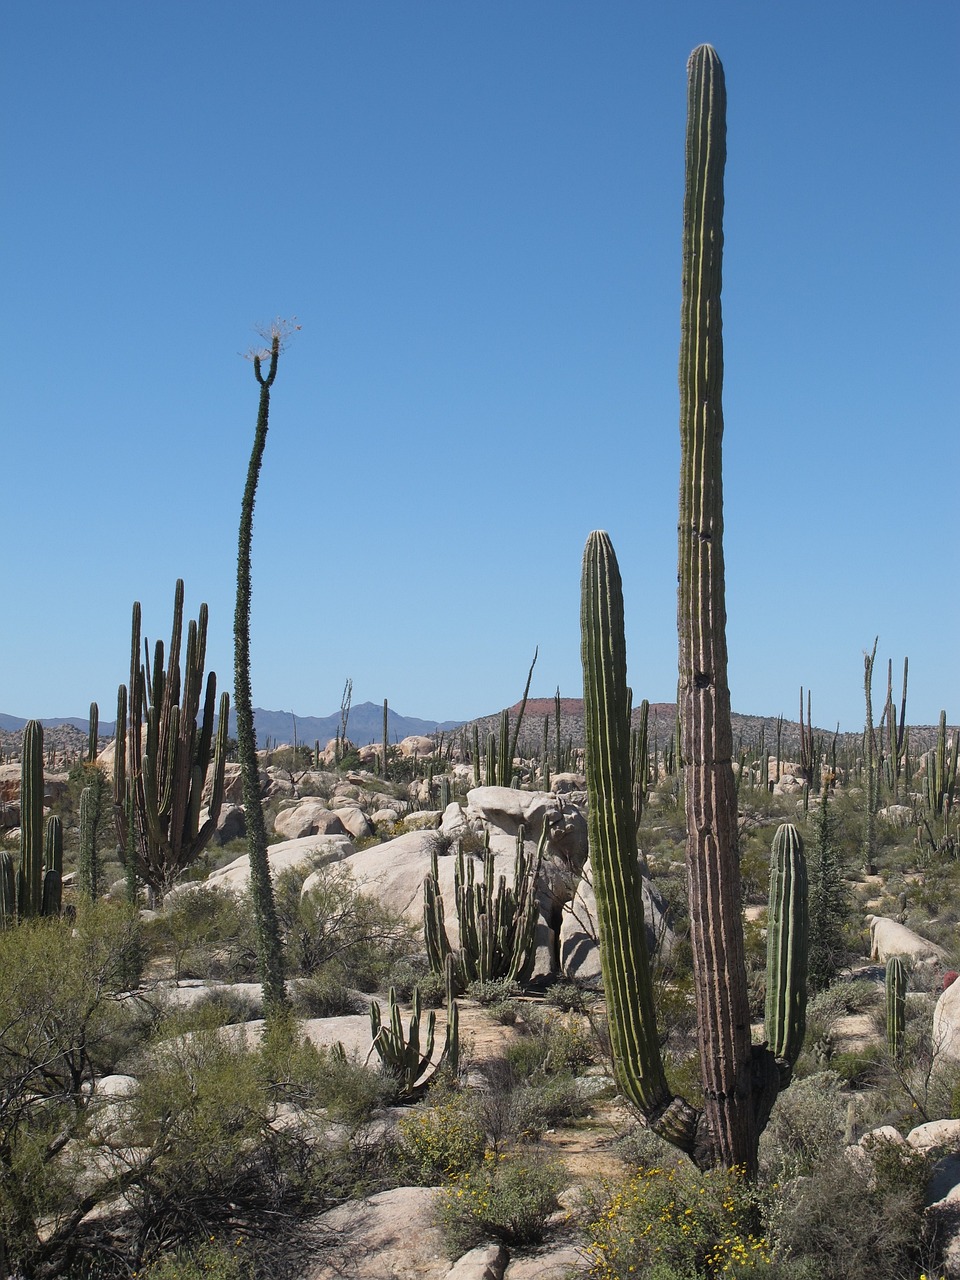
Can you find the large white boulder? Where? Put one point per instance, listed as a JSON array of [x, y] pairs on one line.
[[308, 817], [890, 938], [579, 945], [311, 851]]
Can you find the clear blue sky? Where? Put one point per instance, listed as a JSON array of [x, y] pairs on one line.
[[473, 207]]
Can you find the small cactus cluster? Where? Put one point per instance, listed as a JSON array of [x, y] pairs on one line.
[[497, 922], [401, 1054], [35, 888]]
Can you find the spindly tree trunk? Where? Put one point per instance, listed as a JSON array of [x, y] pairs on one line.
[[269, 946]]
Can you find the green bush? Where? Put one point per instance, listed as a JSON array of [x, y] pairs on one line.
[[324, 996], [337, 928], [553, 1044], [63, 1019], [509, 1197], [206, 932], [442, 1141], [846, 1216], [494, 991], [672, 1220], [211, 1260]]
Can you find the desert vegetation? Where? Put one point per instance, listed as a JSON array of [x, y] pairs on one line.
[[616, 1003]]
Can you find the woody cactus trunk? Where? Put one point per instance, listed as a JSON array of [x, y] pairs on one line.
[[740, 1081]]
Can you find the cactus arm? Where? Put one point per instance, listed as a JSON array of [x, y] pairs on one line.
[[8, 890], [787, 941], [624, 960]]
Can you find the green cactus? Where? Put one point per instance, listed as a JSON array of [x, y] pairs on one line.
[[401, 1055], [164, 753], [497, 924], [8, 890], [87, 869], [92, 735], [30, 873], [52, 899], [639, 766], [785, 1017], [895, 987], [627, 978]]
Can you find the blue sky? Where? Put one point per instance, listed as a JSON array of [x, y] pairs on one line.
[[473, 208]]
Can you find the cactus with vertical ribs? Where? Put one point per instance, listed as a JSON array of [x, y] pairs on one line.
[[785, 1015], [895, 990], [740, 1080], [497, 922], [163, 753], [402, 1056]]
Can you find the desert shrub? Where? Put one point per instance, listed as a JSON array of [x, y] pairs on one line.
[[210, 1260], [63, 1019], [846, 1215], [494, 991], [554, 1043], [508, 1197], [673, 1221], [506, 1012], [409, 972], [860, 1068], [323, 995], [536, 1107], [806, 1127], [442, 1141], [337, 927], [206, 932], [568, 997]]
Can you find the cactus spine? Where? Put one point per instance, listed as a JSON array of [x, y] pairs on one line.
[[785, 1016], [895, 988]]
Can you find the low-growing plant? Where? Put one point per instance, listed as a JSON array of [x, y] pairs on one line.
[[324, 995], [443, 1141], [508, 1197], [206, 932], [672, 1220], [553, 1044], [845, 1216], [492, 992]]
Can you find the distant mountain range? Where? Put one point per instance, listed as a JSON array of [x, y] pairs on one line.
[[365, 725]]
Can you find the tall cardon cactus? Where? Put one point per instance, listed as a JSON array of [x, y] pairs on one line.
[[740, 1080]]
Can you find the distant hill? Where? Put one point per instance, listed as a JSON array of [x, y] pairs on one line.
[[662, 722], [365, 725]]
